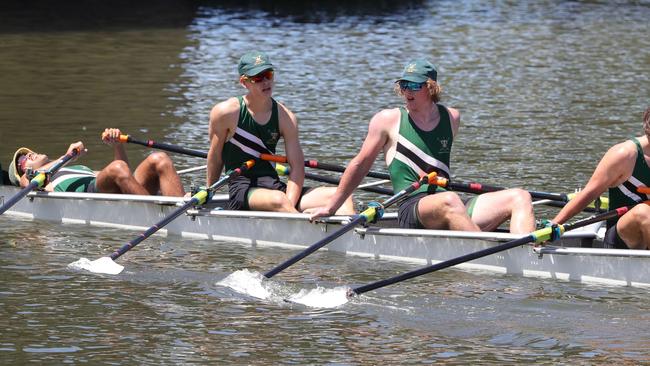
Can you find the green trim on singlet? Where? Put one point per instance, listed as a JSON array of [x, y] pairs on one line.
[[268, 133], [435, 144], [640, 177], [470, 205], [74, 178]]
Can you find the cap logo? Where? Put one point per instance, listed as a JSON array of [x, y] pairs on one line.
[[410, 68], [259, 60]]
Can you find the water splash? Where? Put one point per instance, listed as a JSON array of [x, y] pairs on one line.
[[322, 297], [101, 265], [247, 282]]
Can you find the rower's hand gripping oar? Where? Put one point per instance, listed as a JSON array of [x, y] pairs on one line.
[[39, 180], [539, 236], [374, 212], [107, 264]]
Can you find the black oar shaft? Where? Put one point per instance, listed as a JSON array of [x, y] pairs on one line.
[[198, 198], [320, 178], [442, 265], [153, 229], [341, 169], [359, 220], [168, 147], [482, 188], [536, 236], [37, 181], [202, 154], [18, 196], [374, 212]]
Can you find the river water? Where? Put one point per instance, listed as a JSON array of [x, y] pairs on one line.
[[544, 89]]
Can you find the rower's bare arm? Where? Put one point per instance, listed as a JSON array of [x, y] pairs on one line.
[[111, 137], [376, 140], [223, 122], [454, 117], [288, 125], [613, 169]]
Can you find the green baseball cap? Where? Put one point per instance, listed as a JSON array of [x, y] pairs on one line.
[[418, 71], [254, 62]]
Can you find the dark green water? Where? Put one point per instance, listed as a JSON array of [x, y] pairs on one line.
[[544, 89]]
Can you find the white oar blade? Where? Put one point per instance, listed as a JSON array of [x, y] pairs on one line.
[[102, 265]]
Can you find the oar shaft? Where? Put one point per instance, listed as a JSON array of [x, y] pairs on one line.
[[536, 236], [153, 229], [482, 188], [442, 265], [338, 168], [37, 181], [314, 247], [163, 146], [371, 214], [18, 196], [198, 198]]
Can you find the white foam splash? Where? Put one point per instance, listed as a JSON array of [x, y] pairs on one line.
[[101, 265], [246, 282], [321, 297]]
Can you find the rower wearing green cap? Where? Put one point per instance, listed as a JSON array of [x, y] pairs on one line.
[[416, 139], [247, 126]]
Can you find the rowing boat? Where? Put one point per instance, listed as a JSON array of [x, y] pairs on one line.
[[579, 255]]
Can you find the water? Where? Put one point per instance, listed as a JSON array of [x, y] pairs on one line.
[[544, 89]]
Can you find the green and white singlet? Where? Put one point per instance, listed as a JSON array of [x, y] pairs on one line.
[[74, 178], [626, 193], [420, 152], [250, 140]]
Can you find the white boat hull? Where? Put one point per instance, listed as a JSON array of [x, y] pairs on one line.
[[589, 265]]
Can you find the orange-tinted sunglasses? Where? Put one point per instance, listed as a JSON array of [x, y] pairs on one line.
[[264, 75]]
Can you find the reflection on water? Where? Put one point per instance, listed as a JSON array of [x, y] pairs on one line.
[[544, 88]]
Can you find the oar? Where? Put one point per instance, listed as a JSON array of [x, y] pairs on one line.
[[538, 236], [163, 146], [107, 264], [478, 188], [277, 158], [38, 181], [374, 212], [284, 170]]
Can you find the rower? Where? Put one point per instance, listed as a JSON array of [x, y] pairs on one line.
[[154, 174], [417, 139], [625, 171], [247, 126]]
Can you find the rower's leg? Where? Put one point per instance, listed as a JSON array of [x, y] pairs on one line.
[[494, 208], [262, 199], [446, 211], [156, 173], [316, 197], [116, 177], [634, 227]]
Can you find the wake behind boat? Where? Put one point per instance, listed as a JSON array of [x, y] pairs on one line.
[[578, 256]]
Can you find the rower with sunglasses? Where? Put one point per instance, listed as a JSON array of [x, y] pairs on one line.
[[417, 139], [244, 127]]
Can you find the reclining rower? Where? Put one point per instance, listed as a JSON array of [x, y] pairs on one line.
[[154, 174]]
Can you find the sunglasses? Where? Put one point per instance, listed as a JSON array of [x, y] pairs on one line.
[[264, 75], [410, 85]]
